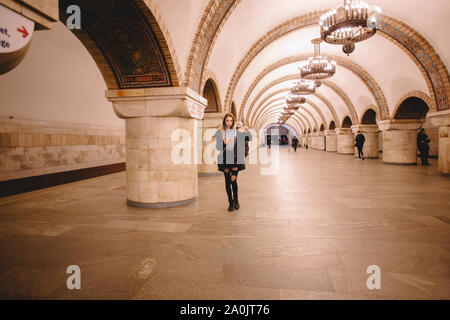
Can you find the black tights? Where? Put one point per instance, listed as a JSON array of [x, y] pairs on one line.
[[231, 182]]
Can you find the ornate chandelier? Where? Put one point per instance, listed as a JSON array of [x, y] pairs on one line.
[[293, 100], [303, 87], [318, 67], [353, 22]]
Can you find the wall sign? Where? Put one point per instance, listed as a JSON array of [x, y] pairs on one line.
[[15, 30]]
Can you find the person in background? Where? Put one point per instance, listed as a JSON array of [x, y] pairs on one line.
[[422, 145], [295, 143], [359, 144]]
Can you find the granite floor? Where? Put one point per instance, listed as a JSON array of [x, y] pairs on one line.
[[308, 232]]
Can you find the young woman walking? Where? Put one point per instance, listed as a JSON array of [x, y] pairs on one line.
[[230, 141]]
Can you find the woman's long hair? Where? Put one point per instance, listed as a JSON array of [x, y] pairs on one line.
[[225, 118]]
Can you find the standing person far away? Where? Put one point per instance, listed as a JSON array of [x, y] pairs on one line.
[[294, 143], [422, 145], [359, 144]]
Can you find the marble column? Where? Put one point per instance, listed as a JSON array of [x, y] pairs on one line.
[[371, 144], [441, 119], [331, 143], [314, 140], [345, 140], [320, 141], [211, 122], [400, 140], [161, 149]]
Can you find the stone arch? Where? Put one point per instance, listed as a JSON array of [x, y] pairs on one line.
[[211, 23], [269, 110], [233, 110], [412, 108], [346, 122], [412, 94], [329, 84], [298, 117], [211, 95], [332, 125], [369, 116], [261, 110], [356, 69], [263, 105], [420, 50], [127, 43], [322, 127], [269, 113]]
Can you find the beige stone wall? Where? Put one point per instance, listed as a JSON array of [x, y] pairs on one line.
[[31, 148], [345, 143], [400, 146], [57, 81], [444, 150], [331, 144]]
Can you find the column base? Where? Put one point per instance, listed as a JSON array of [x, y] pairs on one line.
[[444, 174], [160, 204], [400, 163]]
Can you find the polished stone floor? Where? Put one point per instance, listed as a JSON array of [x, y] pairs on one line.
[[308, 232]]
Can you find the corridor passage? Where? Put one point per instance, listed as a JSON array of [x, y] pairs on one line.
[[308, 232]]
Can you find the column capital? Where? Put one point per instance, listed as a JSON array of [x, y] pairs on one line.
[[157, 102], [330, 132], [321, 133], [365, 128], [440, 118], [213, 119], [400, 124], [343, 131]]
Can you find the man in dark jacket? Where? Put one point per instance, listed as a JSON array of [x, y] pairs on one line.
[[294, 143], [359, 144], [422, 145]]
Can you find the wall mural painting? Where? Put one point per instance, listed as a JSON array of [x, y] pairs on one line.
[[127, 41]]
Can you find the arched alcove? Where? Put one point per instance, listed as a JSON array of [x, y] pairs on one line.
[[332, 125], [322, 127], [347, 122], [369, 117], [210, 94], [412, 108]]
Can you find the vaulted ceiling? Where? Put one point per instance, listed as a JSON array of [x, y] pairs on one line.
[[252, 50]]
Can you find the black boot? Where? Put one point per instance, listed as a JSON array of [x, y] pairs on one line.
[[235, 194], [231, 206], [228, 188]]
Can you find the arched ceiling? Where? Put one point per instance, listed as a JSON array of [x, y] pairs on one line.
[[247, 44]]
